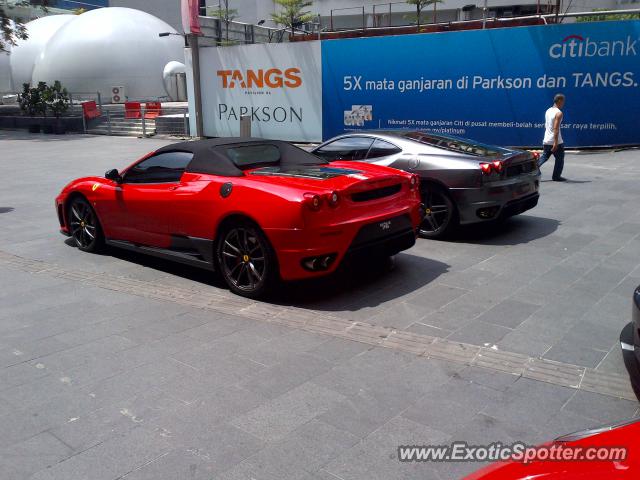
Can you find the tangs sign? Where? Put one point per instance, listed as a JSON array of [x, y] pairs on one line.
[[261, 78], [278, 86]]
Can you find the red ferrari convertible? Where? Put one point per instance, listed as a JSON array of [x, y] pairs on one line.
[[256, 210]]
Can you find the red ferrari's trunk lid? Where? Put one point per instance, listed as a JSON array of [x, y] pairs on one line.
[[344, 178]]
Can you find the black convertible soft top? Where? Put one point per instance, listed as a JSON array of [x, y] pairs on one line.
[[219, 156]]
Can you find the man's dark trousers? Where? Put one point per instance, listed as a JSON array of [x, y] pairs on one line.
[[558, 155]]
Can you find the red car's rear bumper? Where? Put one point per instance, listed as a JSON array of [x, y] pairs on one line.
[[388, 233]]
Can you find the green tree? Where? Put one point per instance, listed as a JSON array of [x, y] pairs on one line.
[[420, 5], [292, 13], [12, 31], [611, 16], [57, 98], [32, 99], [226, 15]]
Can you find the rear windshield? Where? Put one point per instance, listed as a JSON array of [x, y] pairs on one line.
[[250, 156], [455, 144]]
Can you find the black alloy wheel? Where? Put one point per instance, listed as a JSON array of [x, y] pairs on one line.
[[245, 260], [84, 226], [440, 213]]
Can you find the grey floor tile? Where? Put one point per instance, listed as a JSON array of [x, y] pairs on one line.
[[509, 313], [601, 408], [575, 354], [479, 333], [524, 343], [307, 449], [280, 416]]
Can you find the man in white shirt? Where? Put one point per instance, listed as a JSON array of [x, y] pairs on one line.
[[552, 143]]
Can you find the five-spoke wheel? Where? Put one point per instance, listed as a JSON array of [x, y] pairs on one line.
[[84, 226], [440, 213], [245, 259]]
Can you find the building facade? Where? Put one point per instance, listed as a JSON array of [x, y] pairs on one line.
[[346, 14]]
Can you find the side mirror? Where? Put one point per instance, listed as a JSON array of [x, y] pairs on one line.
[[113, 175]]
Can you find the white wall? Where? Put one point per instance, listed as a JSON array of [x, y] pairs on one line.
[[167, 10]]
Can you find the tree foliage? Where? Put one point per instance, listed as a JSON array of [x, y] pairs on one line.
[[292, 13], [610, 16], [37, 100], [226, 15], [32, 99], [56, 97], [11, 31], [420, 5]]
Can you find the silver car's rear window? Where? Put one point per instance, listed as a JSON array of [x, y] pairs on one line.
[[455, 144]]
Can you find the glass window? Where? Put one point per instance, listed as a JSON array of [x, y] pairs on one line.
[[162, 168], [349, 148], [254, 155], [455, 144], [380, 148]]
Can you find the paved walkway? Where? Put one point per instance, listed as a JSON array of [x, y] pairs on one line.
[[121, 366]]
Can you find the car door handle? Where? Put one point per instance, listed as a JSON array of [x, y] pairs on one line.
[[174, 187]]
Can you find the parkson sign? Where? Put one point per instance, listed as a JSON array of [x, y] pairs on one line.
[[278, 86], [490, 85]]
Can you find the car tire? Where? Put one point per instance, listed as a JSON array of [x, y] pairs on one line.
[[84, 226], [441, 214], [246, 259]]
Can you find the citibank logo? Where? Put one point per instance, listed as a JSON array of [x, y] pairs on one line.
[[270, 78], [576, 46]]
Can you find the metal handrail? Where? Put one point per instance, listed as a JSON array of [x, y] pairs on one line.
[[543, 17], [364, 27], [390, 9]]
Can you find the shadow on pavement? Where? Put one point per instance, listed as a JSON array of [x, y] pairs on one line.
[[512, 231], [356, 284], [42, 137], [188, 272], [568, 180], [362, 283]]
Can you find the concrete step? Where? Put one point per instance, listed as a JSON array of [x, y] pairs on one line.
[[120, 132]]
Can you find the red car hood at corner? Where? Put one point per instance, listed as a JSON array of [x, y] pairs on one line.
[[627, 436]]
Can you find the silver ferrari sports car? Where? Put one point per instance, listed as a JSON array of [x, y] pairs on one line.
[[463, 181]]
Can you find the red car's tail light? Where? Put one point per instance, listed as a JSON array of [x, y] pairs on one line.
[[486, 168], [414, 182], [332, 199], [313, 201]]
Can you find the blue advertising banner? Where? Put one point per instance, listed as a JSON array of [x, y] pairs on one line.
[[490, 85]]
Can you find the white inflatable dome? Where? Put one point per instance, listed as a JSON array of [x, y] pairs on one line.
[[25, 54], [110, 47]]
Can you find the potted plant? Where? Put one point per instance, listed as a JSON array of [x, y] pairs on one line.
[[57, 99], [32, 103]]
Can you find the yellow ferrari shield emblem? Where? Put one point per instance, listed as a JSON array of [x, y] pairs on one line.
[[95, 186]]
